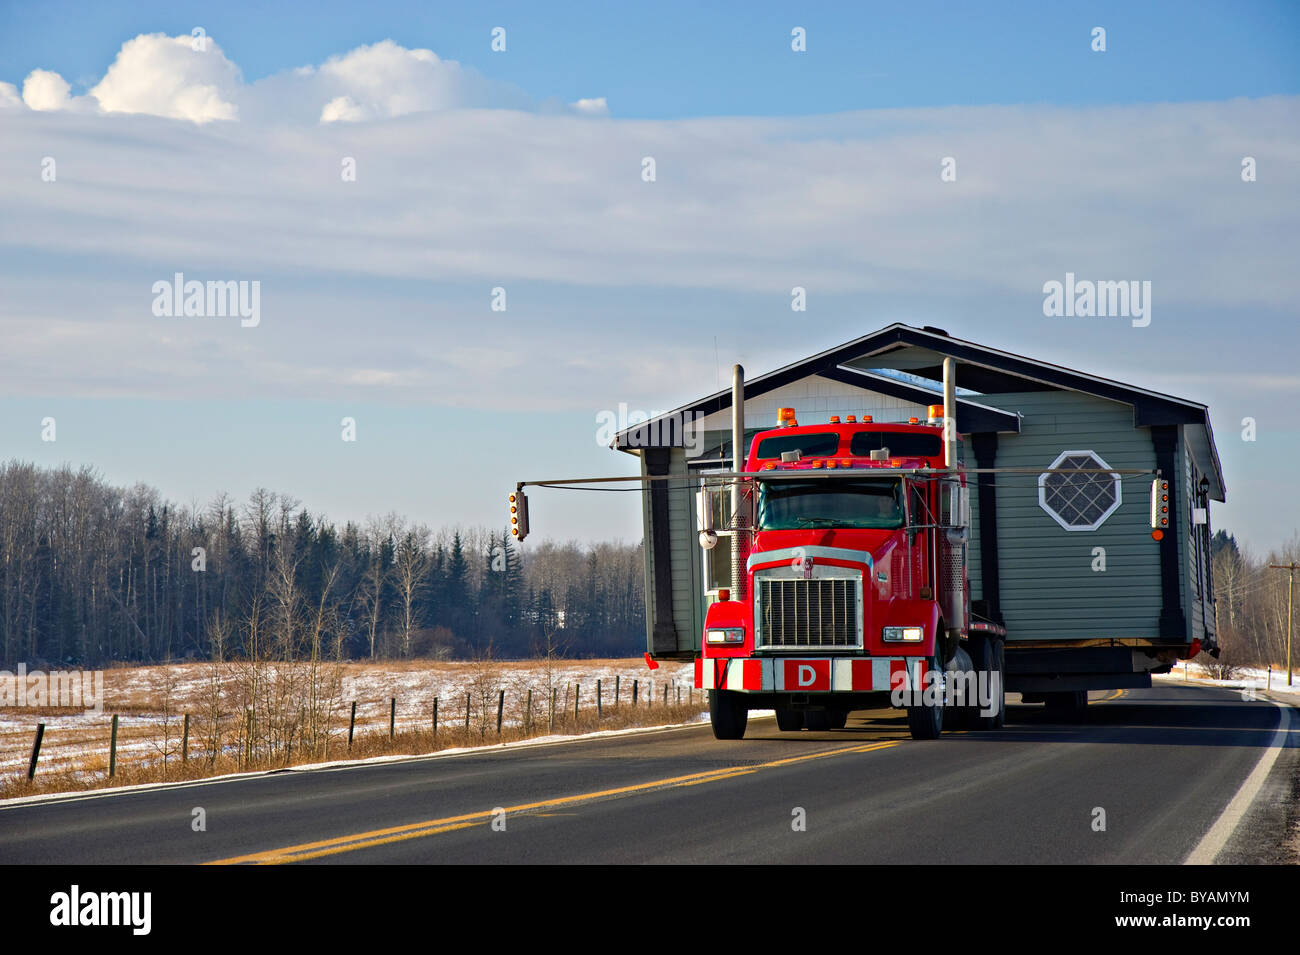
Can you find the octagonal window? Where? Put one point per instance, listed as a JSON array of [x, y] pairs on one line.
[[1081, 501]]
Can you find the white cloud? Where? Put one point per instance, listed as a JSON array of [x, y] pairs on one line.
[[166, 76], [159, 75], [44, 90], [592, 107], [342, 109]]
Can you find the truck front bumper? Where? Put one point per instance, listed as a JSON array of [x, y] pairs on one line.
[[809, 674]]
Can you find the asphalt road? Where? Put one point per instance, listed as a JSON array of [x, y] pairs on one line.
[[1162, 763]]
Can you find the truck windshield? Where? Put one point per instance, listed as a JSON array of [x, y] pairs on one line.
[[793, 505]]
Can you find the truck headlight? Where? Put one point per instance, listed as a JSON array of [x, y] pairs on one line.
[[726, 635], [904, 634]]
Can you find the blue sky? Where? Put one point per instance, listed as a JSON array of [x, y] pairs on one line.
[[676, 59], [480, 170]]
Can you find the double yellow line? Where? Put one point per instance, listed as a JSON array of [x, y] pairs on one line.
[[432, 827]]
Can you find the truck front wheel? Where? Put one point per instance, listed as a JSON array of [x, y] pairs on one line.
[[926, 721], [788, 719], [728, 712]]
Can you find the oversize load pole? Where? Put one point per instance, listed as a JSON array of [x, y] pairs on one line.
[[949, 413], [738, 542]]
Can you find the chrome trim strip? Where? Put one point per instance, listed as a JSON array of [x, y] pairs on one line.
[[786, 554]]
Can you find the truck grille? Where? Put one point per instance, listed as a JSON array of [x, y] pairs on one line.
[[798, 614]]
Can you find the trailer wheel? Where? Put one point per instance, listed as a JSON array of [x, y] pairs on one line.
[[788, 719], [926, 722], [1066, 707], [728, 712]]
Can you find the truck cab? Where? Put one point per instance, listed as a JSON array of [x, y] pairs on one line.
[[848, 581]]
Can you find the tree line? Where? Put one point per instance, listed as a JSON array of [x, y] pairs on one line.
[[1251, 602], [92, 573]]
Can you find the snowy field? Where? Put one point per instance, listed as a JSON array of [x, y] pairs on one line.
[[150, 702]]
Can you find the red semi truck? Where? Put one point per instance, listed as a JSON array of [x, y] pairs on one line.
[[850, 580], [848, 569]]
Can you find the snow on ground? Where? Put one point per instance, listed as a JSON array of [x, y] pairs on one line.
[[1256, 678], [74, 737]]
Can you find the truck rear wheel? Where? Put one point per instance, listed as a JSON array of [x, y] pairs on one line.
[[1000, 719], [728, 712], [788, 719], [1068, 706], [991, 657]]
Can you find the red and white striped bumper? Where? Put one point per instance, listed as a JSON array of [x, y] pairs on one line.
[[808, 675]]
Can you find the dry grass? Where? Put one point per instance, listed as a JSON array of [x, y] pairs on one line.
[[302, 718]]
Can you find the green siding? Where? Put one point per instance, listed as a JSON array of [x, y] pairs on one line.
[[1048, 588]]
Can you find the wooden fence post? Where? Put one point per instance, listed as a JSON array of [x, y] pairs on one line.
[[528, 713], [185, 739], [435, 719], [352, 723], [617, 677], [599, 709], [112, 750], [577, 692], [36, 751], [634, 689], [501, 705], [466, 712], [554, 691], [392, 717]]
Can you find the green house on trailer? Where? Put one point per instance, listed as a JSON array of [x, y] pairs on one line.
[[1066, 563]]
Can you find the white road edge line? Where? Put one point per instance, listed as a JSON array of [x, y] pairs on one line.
[[1208, 849]]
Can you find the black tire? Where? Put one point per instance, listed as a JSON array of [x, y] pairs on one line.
[[788, 719], [926, 722], [1068, 706], [991, 659], [729, 713], [817, 720], [1000, 720], [839, 719]]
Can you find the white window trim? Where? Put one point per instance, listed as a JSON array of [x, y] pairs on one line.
[[1042, 493]]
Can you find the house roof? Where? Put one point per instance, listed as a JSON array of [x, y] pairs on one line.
[[981, 368]]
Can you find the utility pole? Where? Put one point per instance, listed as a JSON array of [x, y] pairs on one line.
[[1290, 568]]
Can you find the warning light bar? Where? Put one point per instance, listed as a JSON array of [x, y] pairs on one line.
[[1159, 506], [519, 515]]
